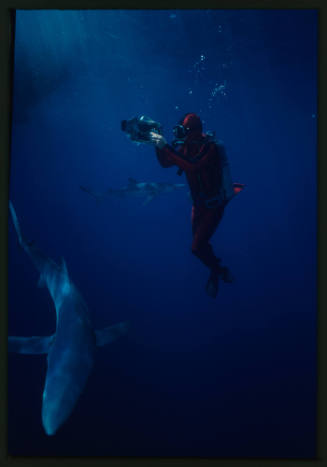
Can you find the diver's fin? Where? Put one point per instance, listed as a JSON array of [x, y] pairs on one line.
[[226, 275], [148, 199], [110, 334], [30, 345]]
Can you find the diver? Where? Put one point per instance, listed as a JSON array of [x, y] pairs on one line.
[[204, 161]]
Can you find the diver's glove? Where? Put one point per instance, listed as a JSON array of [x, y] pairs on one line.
[[158, 140]]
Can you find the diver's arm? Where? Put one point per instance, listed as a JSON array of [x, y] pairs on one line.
[[169, 155], [162, 155]]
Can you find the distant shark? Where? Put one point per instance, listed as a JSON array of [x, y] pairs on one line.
[[147, 190], [71, 349]]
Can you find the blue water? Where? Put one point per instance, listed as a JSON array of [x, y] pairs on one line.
[[232, 377]]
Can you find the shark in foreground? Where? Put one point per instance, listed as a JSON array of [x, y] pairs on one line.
[[71, 349], [147, 190]]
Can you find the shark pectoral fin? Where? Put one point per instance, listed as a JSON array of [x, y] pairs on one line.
[[110, 334], [148, 200], [30, 345]]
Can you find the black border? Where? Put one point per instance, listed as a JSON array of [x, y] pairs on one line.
[[7, 13]]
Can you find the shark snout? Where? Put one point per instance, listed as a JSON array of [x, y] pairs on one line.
[[50, 424], [54, 411], [49, 429]]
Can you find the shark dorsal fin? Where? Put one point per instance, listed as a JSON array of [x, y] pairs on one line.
[[132, 181]]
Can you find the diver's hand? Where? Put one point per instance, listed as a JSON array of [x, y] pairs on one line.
[[157, 140]]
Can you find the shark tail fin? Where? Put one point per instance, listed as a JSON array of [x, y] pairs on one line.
[[110, 334], [30, 345], [64, 271], [16, 224], [132, 181], [42, 281], [97, 196]]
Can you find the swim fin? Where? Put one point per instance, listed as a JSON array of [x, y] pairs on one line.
[[226, 275], [212, 286]]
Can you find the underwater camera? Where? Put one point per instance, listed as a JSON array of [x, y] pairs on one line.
[[138, 128]]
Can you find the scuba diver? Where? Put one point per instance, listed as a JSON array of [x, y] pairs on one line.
[[204, 161]]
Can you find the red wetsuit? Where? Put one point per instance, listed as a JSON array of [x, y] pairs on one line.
[[204, 174]]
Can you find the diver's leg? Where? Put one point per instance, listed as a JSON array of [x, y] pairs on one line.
[[204, 224]]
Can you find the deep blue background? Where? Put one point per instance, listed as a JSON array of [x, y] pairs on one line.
[[235, 376]]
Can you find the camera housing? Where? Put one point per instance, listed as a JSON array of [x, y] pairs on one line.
[[138, 128]]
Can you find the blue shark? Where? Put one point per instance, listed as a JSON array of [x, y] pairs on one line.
[[147, 190], [71, 349]]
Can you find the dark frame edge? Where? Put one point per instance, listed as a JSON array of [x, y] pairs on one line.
[[321, 236], [7, 34], [6, 50]]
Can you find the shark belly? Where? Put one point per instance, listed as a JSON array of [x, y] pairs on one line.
[[70, 362]]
